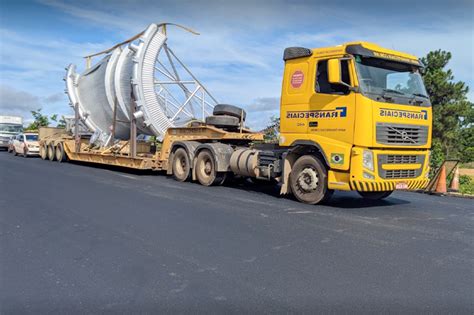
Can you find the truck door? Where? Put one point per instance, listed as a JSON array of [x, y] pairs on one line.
[[332, 106]]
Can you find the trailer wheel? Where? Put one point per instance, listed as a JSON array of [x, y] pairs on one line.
[[51, 153], [375, 195], [60, 154], [43, 151], [308, 180], [230, 110], [181, 166], [206, 172]]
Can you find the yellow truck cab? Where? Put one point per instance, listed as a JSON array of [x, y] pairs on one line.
[[364, 110]]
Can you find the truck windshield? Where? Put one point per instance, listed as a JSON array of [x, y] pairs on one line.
[[10, 128], [391, 81]]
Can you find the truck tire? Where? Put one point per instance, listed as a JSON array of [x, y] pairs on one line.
[[181, 165], [51, 152], [43, 151], [229, 110], [223, 121], [308, 180], [60, 154], [206, 172], [375, 195], [25, 152]]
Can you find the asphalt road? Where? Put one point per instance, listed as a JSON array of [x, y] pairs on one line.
[[76, 238]]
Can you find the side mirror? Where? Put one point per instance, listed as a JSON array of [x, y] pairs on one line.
[[334, 71]]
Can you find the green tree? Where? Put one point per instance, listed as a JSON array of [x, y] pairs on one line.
[[452, 111], [40, 120], [272, 131]]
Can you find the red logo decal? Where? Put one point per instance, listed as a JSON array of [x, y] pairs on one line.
[[297, 79]]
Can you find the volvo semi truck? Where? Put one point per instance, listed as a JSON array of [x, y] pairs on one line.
[[352, 117]]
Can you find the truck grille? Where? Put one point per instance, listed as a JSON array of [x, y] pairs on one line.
[[397, 134], [400, 174], [401, 159]]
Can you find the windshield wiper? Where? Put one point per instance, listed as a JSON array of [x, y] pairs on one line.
[[393, 91], [389, 98], [420, 95]]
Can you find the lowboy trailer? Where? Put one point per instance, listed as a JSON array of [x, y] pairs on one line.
[[352, 117]]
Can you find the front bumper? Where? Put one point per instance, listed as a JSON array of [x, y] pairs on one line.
[[33, 151], [392, 169]]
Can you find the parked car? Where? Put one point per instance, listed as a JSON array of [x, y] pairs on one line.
[[26, 144]]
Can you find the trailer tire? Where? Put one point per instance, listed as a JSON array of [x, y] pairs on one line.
[[229, 110], [375, 195], [308, 180], [60, 154], [223, 121], [181, 165], [206, 169], [51, 152], [43, 151]]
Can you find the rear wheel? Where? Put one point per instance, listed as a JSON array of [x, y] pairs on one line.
[[51, 153], [206, 171], [375, 195], [60, 154], [308, 180], [181, 166]]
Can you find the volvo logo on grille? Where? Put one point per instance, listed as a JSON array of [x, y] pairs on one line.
[[405, 135]]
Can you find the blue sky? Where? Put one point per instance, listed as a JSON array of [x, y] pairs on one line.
[[238, 55]]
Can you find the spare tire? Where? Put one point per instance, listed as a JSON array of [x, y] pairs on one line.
[[223, 121], [229, 110]]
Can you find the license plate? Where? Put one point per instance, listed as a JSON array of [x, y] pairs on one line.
[[401, 186]]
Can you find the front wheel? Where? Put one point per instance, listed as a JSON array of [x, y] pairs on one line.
[[375, 195], [308, 180]]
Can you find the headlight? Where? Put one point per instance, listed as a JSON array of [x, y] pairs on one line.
[[368, 176], [368, 160]]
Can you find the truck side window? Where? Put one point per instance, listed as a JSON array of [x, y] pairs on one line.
[[322, 83]]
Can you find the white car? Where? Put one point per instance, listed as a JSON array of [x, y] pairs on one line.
[[25, 144]]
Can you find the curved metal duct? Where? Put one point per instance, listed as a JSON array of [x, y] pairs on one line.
[[166, 93]]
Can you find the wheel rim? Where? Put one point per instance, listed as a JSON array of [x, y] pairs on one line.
[[308, 180], [180, 166], [206, 170]]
